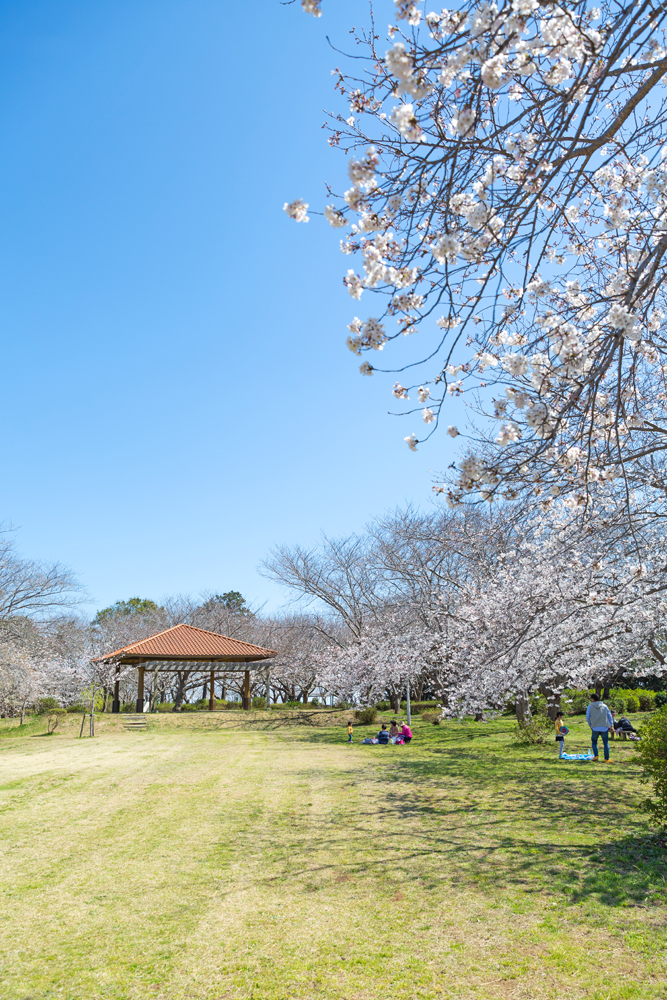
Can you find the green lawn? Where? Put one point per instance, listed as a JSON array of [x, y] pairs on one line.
[[225, 858]]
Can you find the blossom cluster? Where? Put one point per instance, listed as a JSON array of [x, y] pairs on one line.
[[542, 233]]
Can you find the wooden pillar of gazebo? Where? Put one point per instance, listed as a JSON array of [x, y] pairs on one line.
[[115, 705], [140, 689], [245, 692], [211, 700]]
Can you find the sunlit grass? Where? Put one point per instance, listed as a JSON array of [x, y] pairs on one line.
[[227, 856]]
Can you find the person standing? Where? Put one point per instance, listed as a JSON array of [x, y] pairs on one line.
[[349, 731], [560, 737], [599, 719]]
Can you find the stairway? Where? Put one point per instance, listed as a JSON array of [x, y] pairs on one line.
[[134, 723]]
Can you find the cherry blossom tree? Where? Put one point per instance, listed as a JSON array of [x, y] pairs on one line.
[[507, 209], [391, 654], [561, 609], [484, 606], [20, 680], [301, 640]]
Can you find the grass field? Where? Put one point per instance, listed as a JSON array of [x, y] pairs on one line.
[[220, 857]]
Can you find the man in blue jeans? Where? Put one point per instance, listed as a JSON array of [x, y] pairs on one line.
[[600, 720]]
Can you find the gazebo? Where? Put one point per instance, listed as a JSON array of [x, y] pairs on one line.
[[184, 647]]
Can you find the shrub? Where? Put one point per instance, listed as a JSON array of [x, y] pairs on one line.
[[660, 699], [258, 702], [129, 708], [433, 717], [652, 752], [646, 701], [418, 707], [46, 705], [366, 716], [165, 706], [53, 718], [534, 733], [631, 703], [187, 707], [618, 704], [78, 708]]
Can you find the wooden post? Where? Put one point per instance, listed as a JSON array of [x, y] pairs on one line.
[[246, 691], [211, 700], [92, 711], [115, 706], [83, 722], [140, 690]]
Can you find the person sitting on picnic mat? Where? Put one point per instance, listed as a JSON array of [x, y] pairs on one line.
[[383, 735], [393, 729], [406, 733]]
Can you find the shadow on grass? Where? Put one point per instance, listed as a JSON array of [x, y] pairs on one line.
[[497, 815], [626, 872]]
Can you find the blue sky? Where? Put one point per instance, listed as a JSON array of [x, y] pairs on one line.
[[177, 394]]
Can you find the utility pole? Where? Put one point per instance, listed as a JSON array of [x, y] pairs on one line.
[[407, 704]]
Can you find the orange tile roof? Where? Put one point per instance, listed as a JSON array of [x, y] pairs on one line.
[[185, 642]]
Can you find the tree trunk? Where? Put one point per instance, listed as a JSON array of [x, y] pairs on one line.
[[598, 688], [395, 700], [522, 707], [180, 693], [605, 693], [553, 700], [204, 691]]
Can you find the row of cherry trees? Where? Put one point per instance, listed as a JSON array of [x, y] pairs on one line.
[[480, 609], [475, 608]]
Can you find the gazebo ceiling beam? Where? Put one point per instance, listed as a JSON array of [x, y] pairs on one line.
[[172, 665]]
